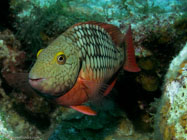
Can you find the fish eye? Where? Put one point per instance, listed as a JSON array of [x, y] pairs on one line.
[[61, 58], [38, 53]]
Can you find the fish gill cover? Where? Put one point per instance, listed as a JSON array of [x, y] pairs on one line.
[[159, 33]]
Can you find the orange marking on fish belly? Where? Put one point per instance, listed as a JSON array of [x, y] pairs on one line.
[[82, 91], [84, 109], [76, 96], [110, 87]]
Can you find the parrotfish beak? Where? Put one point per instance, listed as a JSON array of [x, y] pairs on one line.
[[38, 88], [35, 82]]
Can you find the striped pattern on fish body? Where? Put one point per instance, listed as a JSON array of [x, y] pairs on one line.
[[100, 57], [76, 65]]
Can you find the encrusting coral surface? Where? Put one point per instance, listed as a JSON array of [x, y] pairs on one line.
[[171, 118]]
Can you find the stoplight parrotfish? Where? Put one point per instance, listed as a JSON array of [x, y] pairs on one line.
[[80, 62]]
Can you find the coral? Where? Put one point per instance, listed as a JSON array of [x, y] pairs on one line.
[[22, 114], [52, 18], [11, 124], [4, 50], [38, 22], [49, 19], [11, 59], [108, 124], [171, 116], [10, 39], [148, 82], [147, 63], [160, 41]]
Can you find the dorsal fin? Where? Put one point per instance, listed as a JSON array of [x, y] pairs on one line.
[[114, 32]]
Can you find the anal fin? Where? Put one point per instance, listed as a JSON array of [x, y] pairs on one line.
[[84, 109]]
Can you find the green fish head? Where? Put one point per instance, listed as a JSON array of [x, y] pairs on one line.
[[56, 68]]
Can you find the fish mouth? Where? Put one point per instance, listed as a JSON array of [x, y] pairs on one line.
[[36, 84], [36, 81]]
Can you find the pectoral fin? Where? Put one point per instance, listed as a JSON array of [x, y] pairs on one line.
[[84, 109], [107, 91]]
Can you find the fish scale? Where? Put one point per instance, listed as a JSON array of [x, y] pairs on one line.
[[98, 47], [91, 55]]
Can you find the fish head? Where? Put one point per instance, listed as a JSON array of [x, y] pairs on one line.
[[56, 68]]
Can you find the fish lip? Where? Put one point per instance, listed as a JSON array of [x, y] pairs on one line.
[[35, 85], [36, 79], [35, 82]]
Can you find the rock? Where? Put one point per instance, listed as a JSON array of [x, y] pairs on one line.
[[171, 116], [21, 113], [11, 123], [12, 60]]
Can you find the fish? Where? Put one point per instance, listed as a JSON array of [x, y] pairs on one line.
[[81, 62]]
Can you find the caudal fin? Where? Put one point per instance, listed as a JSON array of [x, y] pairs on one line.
[[130, 64]]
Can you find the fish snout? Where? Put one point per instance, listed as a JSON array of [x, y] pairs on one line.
[[38, 85], [36, 82]]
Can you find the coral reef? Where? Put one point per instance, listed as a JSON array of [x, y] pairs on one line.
[[170, 120], [52, 18], [110, 124], [12, 60], [49, 19], [158, 34], [24, 115], [12, 125]]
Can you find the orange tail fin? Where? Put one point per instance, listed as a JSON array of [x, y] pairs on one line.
[[130, 64]]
